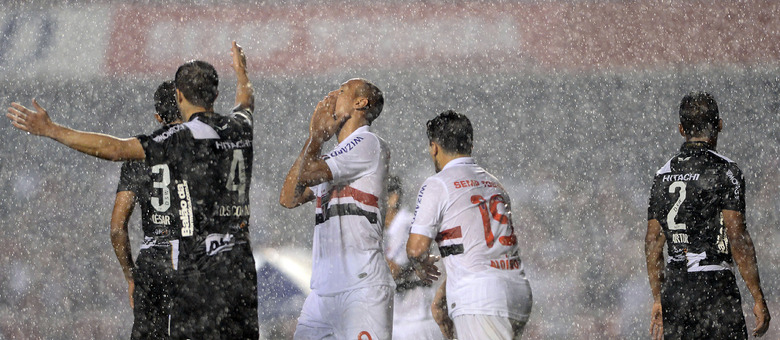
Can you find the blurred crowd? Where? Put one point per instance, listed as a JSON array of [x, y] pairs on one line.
[[576, 151]]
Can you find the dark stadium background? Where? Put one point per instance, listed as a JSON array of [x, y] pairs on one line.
[[574, 121]]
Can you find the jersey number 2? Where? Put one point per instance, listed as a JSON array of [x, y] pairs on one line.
[[676, 207], [495, 213]]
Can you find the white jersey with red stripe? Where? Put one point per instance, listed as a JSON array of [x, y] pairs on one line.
[[347, 249], [467, 211]]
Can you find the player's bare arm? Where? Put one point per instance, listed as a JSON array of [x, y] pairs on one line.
[[94, 144], [745, 256], [123, 208], [309, 169], [417, 250], [440, 312], [245, 97], [654, 247]]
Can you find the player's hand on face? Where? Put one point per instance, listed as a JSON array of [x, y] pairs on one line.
[[762, 318], [36, 122], [657, 322], [426, 270], [325, 122], [239, 58]]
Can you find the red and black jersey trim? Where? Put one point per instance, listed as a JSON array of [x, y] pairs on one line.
[[455, 249], [347, 209]]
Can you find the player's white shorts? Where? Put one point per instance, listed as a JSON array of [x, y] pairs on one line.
[[487, 327], [360, 314], [417, 329]]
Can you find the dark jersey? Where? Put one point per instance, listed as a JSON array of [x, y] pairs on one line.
[[688, 195], [138, 178], [206, 167]]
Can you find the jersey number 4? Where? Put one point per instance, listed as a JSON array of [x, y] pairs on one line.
[[495, 211]]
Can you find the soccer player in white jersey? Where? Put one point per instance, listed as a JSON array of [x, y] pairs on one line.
[[352, 289], [413, 297], [467, 211]]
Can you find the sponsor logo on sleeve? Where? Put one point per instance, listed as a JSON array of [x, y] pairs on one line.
[[347, 147], [168, 133]]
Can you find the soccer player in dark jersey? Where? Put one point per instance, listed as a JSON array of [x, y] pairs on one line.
[[205, 167], [149, 279], [697, 206]]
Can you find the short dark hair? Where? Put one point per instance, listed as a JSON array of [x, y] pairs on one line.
[[452, 131], [165, 102], [376, 100], [699, 114], [394, 185], [198, 82]]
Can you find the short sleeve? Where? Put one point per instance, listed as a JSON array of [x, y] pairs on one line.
[[354, 158], [654, 205], [164, 144], [243, 114], [428, 214], [734, 189], [130, 177]]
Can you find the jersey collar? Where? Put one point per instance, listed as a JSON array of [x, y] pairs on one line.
[[361, 129], [200, 114], [460, 161]]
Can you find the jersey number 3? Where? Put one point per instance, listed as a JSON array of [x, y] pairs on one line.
[[495, 213]]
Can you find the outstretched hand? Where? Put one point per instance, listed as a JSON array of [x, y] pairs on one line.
[[239, 59], [35, 122], [427, 270], [762, 318], [325, 122]]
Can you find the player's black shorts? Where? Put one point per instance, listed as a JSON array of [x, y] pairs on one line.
[[153, 277], [219, 302], [702, 305]]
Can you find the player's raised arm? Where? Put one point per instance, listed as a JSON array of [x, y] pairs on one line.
[[94, 144], [745, 256], [309, 169], [245, 95]]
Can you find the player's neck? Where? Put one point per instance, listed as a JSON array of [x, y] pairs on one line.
[[445, 158], [187, 112], [350, 126], [712, 141]]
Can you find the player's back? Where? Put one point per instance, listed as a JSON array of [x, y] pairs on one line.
[[207, 167], [688, 195], [478, 243]]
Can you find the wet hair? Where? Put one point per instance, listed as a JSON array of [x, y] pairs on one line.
[[376, 99], [165, 102], [198, 82], [394, 185], [699, 114], [452, 131]]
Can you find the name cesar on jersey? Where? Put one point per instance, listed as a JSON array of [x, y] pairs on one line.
[[161, 219], [681, 177]]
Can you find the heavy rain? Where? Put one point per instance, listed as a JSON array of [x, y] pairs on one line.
[[574, 106]]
